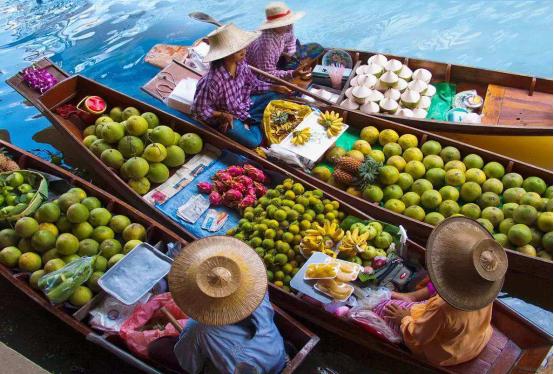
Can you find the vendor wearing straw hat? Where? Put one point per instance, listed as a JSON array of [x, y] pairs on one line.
[[466, 266], [221, 283], [230, 97], [276, 50]]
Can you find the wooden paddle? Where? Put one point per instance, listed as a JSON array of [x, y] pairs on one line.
[[203, 17], [171, 319]]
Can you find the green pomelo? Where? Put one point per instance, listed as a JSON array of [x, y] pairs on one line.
[[136, 167], [421, 185], [493, 214], [155, 152], [486, 224], [77, 213], [135, 231], [191, 143], [471, 210], [470, 192], [411, 198], [519, 234], [129, 112], [501, 239], [115, 259], [116, 114], [9, 256], [48, 212], [81, 296], [415, 212], [544, 221], [449, 193], [130, 146], [119, 222], [373, 194], [494, 169], [436, 176], [91, 202], [34, 278], [67, 244], [64, 225], [113, 158], [82, 230], [431, 199], [433, 161], [53, 265], [534, 184], [99, 217], [415, 168], [25, 227], [8, 237], [473, 161], [505, 226], [431, 147], [92, 282], [130, 245], [175, 157], [68, 199], [547, 242], [110, 247], [29, 262], [162, 135], [89, 130], [113, 132], [533, 199], [140, 186], [508, 209], [99, 146], [434, 218], [88, 247], [525, 214], [43, 240], [450, 153], [392, 192], [405, 181], [151, 118], [100, 263], [102, 233], [528, 250], [476, 175], [493, 185], [513, 195], [158, 173], [511, 180], [89, 139], [449, 208], [455, 177], [488, 199]]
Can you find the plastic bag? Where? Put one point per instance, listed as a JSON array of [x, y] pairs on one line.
[[112, 313], [369, 298], [280, 153], [135, 330], [374, 324], [59, 285]]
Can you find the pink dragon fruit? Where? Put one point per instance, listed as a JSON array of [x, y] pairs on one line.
[[251, 191], [260, 189], [247, 201], [223, 176], [215, 198], [235, 185], [235, 170], [219, 186], [244, 180], [232, 195], [254, 173], [205, 187]]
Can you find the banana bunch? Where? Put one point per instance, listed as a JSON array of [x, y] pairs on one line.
[[313, 241], [353, 242], [329, 229], [332, 122], [300, 137], [337, 290]]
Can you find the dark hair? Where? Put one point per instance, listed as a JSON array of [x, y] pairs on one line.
[[217, 63]]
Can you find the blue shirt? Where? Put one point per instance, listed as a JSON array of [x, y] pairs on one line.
[[254, 340]]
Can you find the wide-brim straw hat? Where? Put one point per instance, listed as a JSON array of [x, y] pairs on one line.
[[218, 280], [228, 39], [278, 14], [465, 263]]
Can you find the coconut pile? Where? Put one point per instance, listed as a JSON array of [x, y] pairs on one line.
[[388, 86]]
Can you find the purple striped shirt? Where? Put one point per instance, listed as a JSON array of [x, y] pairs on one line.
[[219, 91], [264, 52]]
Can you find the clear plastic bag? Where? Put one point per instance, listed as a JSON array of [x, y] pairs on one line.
[[111, 313], [369, 298], [59, 285], [374, 324]]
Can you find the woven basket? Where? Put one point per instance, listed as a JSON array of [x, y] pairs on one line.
[[39, 183]]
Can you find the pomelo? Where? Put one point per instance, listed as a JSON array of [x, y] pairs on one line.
[[533, 199], [525, 214], [431, 147], [501, 239], [130, 146], [135, 231], [113, 158], [146, 137], [534, 184], [392, 149], [436, 177], [140, 186], [548, 192], [373, 194], [431, 199], [92, 282], [455, 164], [449, 208], [493, 185], [415, 212], [119, 222], [449, 193], [91, 202], [81, 296], [407, 141], [98, 129], [506, 225], [383, 240], [9, 256], [99, 217], [362, 146], [320, 172], [421, 185], [354, 154], [475, 175], [29, 262], [129, 112], [473, 161], [43, 240], [387, 136], [544, 221], [67, 244], [130, 245], [405, 181], [388, 175], [191, 143], [77, 213], [25, 227], [512, 180], [48, 212], [508, 209], [377, 155], [412, 154], [34, 278], [136, 167], [163, 135], [99, 146], [103, 119], [494, 169], [536, 236], [513, 195], [411, 198], [434, 218], [8, 237], [486, 224], [528, 250], [88, 247], [101, 233], [110, 247], [175, 156], [433, 161], [155, 152], [49, 254], [79, 192], [113, 132], [471, 210], [398, 162], [100, 263], [53, 265], [135, 125], [519, 234], [370, 134], [395, 205], [332, 155], [415, 168], [547, 242], [493, 214], [450, 153], [488, 199], [455, 177], [63, 224], [66, 200], [392, 191], [151, 118], [89, 130], [116, 114], [89, 139], [158, 173], [115, 259], [24, 245], [82, 230], [176, 138]]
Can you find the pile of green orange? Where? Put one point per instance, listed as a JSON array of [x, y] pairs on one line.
[[136, 145], [428, 182], [62, 231], [276, 225]]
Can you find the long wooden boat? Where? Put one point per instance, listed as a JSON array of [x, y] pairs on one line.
[[526, 349], [525, 271], [293, 331]]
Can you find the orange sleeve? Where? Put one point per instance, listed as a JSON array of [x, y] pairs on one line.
[[420, 328]]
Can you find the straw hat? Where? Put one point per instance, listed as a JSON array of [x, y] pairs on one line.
[[218, 280], [278, 14], [228, 39], [465, 263]]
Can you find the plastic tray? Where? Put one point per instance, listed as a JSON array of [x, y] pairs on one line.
[[135, 274], [353, 275], [323, 291], [318, 263]]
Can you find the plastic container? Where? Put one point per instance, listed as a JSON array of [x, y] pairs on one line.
[[311, 266]]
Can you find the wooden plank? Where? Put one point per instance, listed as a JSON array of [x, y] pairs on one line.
[[520, 109], [493, 104], [508, 358]]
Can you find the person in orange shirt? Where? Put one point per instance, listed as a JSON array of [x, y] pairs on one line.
[[466, 267]]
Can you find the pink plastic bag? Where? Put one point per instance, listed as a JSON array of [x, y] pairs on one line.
[[138, 339]]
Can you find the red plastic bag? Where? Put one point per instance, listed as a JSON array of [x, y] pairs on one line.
[[137, 339]]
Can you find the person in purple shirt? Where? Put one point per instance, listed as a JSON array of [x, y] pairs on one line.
[[230, 97]]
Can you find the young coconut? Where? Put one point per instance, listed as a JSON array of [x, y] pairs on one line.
[[374, 96], [348, 92], [388, 79], [404, 112], [349, 104], [392, 93], [370, 107], [388, 106], [366, 80], [422, 74], [361, 70], [405, 73], [380, 86], [420, 113], [375, 69], [393, 65], [360, 94], [401, 85], [424, 102], [409, 99], [430, 91], [417, 85], [377, 59]]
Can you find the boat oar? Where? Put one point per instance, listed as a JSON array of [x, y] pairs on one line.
[[171, 319], [203, 17]]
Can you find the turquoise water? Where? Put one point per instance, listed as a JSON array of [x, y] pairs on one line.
[[107, 40]]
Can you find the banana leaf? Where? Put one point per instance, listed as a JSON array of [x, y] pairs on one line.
[[39, 184]]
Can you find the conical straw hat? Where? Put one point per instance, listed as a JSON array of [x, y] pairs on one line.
[[278, 14], [218, 280], [465, 263], [228, 39]]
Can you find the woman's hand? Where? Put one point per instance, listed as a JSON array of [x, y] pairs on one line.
[[281, 89], [226, 120], [395, 313]]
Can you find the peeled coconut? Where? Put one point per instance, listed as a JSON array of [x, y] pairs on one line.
[[417, 85], [349, 104], [348, 92], [420, 113], [375, 96], [389, 79], [374, 69], [405, 73], [424, 102], [429, 91], [422, 74], [380, 86], [361, 70], [392, 93], [367, 80], [370, 107], [401, 85], [360, 94], [409, 99], [377, 59], [393, 65], [388, 106], [404, 112]]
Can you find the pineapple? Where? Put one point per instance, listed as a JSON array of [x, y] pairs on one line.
[[343, 177], [349, 164], [368, 172], [6, 163]]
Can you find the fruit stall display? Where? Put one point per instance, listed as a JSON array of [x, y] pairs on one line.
[[139, 147], [72, 227], [22, 193], [428, 182]]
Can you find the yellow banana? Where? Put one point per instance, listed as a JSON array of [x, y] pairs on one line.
[[300, 137]]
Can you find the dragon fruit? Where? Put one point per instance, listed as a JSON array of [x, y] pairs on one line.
[[205, 187], [251, 191], [223, 176], [247, 201], [235, 170], [260, 189], [232, 195], [254, 173], [244, 180], [215, 198], [219, 186]]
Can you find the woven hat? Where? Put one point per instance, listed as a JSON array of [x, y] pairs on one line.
[[228, 39], [465, 263], [278, 14], [218, 280]]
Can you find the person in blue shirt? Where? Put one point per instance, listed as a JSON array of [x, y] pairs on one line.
[[221, 284]]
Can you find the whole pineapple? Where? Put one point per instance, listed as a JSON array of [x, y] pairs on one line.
[[6, 163], [343, 177], [349, 164]]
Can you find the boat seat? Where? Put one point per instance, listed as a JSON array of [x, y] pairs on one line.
[[514, 107]]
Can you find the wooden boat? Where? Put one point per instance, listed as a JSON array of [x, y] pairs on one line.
[[293, 331], [506, 352]]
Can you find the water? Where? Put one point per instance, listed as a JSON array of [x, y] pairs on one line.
[[107, 40]]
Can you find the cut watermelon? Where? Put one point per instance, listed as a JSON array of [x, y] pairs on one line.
[[94, 105]]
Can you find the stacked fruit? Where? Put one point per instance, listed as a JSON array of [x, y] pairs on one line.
[[429, 183], [276, 225], [365, 242], [62, 231], [16, 192], [139, 147]]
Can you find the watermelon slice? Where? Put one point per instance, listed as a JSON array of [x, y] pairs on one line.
[[95, 105]]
